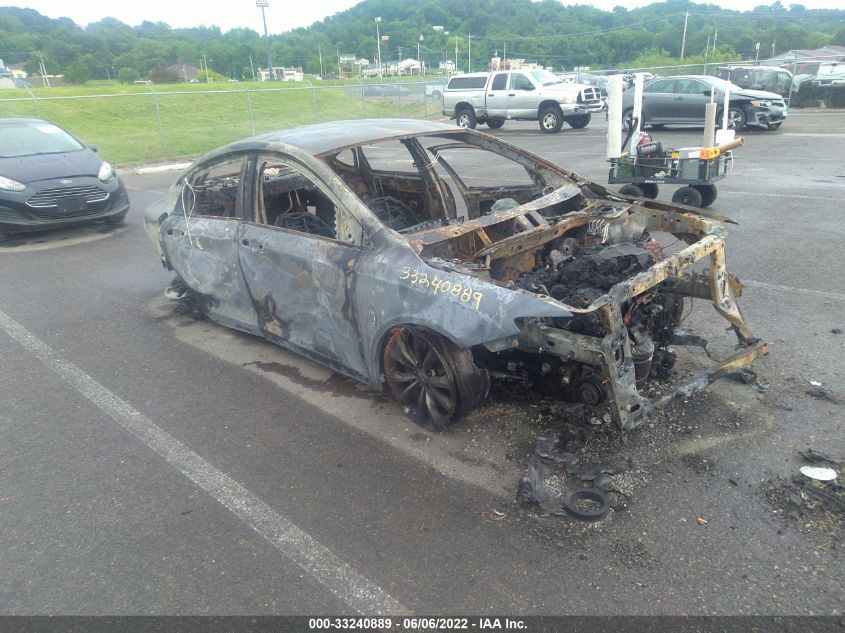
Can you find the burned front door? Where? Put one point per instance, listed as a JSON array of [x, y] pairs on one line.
[[299, 256], [200, 240]]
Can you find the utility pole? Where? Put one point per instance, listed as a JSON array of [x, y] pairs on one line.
[[320, 52], [456, 53], [378, 43], [505, 57], [684, 38], [205, 63], [756, 52], [715, 35], [264, 4], [469, 52], [419, 43], [43, 68], [252, 67]]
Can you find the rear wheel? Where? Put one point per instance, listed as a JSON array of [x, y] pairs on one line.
[[466, 118], [708, 194], [551, 120], [688, 196], [628, 120], [579, 121], [430, 378], [495, 124], [650, 190], [632, 190]]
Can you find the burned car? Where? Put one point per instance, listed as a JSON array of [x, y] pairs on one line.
[[427, 260]]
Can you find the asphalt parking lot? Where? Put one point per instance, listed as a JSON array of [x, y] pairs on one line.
[[154, 463]]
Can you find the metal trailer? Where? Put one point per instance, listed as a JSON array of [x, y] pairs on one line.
[[695, 168]]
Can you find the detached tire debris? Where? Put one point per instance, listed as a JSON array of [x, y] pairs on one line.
[[586, 504]]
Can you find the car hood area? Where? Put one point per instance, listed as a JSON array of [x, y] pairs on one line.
[[757, 94], [29, 169]]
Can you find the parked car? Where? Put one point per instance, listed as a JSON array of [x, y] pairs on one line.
[[434, 91], [682, 100], [769, 78], [49, 178], [527, 95], [425, 259], [385, 90]]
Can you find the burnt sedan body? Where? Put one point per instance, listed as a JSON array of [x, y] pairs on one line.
[[426, 260], [49, 179]]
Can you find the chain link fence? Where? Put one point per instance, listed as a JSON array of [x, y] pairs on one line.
[[159, 125], [150, 125]]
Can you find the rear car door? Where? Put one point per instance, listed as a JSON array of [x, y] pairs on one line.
[[299, 249], [497, 96], [200, 240]]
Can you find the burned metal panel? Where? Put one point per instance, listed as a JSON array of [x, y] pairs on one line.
[[303, 288], [394, 286], [204, 252]]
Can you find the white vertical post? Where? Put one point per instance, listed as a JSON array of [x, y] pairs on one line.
[[614, 116]]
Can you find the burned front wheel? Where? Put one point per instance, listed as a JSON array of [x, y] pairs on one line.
[[430, 378]]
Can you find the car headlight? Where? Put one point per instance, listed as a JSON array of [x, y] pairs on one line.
[[567, 99], [761, 102], [106, 172], [11, 185]]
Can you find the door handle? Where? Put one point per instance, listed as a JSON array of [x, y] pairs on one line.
[[511, 94], [491, 95], [679, 98]]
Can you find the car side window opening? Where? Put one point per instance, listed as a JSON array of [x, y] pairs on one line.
[[500, 82], [289, 199], [521, 82], [691, 87], [663, 85], [214, 190]]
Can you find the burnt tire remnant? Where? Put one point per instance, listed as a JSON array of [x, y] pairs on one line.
[[433, 381]]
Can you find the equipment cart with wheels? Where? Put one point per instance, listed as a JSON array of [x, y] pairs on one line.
[[697, 168]]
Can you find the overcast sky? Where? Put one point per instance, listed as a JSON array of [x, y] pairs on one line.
[[282, 15]]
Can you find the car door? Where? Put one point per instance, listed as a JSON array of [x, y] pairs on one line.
[[691, 99], [522, 98], [658, 101], [299, 249], [497, 96], [200, 240]]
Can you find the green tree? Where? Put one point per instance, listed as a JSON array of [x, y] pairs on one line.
[[127, 75], [77, 73]]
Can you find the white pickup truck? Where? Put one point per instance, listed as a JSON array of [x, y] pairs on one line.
[[528, 95]]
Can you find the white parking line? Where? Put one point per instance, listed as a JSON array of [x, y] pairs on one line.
[[321, 563], [780, 288], [781, 195]]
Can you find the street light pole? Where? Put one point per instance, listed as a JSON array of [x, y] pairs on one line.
[[684, 38], [378, 43], [264, 4]]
